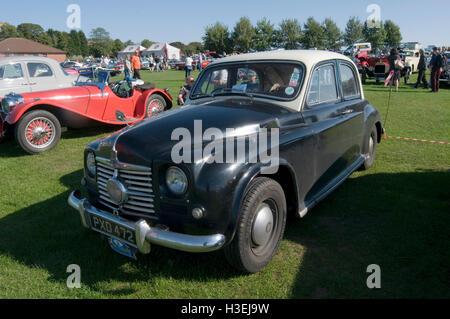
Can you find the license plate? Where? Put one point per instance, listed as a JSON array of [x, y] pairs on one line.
[[113, 229], [122, 248]]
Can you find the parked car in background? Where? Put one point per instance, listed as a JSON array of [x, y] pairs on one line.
[[445, 74], [36, 117], [321, 128], [71, 64], [210, 57], [22, 74]]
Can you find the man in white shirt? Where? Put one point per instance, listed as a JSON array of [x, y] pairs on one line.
[[188, 66]]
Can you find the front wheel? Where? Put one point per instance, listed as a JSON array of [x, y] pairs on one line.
[[156, 104], [38, 131], [260, 227]]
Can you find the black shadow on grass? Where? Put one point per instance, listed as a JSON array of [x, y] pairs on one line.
[[49, 235], [400, 222]]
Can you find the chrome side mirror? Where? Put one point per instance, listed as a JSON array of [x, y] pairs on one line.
[[120, 116]]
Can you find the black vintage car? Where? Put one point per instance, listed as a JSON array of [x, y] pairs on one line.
[[263, 135]]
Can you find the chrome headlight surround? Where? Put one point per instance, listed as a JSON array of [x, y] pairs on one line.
[[91, 168], [10, 100], [176, 180]]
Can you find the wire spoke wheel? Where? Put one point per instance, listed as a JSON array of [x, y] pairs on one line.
[[155, 105], [40, 132]]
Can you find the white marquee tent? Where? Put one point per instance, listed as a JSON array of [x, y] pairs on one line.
[[130, 50], [163, 49]]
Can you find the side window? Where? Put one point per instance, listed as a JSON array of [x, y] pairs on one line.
[[323, 86], [38, 70], [11, 71], [349, 83]]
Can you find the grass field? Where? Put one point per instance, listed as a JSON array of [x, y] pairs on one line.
[[396, 215]]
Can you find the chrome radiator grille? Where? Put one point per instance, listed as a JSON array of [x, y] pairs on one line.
[[138, 181]]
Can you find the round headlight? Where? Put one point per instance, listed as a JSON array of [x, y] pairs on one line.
[[90, 164], [176, 180]]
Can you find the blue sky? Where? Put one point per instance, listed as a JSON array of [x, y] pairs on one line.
[[167, 21]]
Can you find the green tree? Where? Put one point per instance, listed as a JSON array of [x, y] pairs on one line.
[[264, 35], [146, 43], [73, 45], [289, 34], [217, 38], [353, 31], [313, 34], [194, 47], [7, 31], [332, 35], [62, 41], [117, 46], [101, 42], [243, 35], [128, 42], [393, 34], [84, 45], [99, 35], [30, 31], [376, 36]]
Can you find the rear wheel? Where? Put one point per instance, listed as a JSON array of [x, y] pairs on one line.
[[38, 131], [372, 149], [156, 104], [260, 226]]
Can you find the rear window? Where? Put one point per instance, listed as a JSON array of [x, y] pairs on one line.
[[11, 71]]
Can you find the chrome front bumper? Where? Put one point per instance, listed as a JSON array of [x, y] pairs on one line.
[[146, 235]]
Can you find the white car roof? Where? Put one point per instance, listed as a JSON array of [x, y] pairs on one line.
[[308, 57], [17, 58]]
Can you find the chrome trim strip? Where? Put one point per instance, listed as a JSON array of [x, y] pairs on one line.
[[145, 234]]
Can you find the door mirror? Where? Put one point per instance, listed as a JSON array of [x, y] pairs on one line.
[[120, 116]]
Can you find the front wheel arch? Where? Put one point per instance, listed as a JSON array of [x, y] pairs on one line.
[[285, 176]]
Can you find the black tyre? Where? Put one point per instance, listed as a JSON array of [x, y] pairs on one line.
[[371, 149], [156, 104], [38, 131], [260, 226]]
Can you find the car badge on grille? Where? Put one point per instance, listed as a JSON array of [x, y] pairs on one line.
[[116, 190]]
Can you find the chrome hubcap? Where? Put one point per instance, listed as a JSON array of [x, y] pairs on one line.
[[262, 225]]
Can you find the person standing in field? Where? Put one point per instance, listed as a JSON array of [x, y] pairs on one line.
[[436, 64], [395, 65], [128, 68], [422, 67], [188, 66], [136, 63]]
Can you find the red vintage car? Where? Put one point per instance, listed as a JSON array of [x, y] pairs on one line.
[[36, 118]]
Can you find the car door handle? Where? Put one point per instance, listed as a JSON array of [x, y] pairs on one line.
[[347, 111], [34, 83]]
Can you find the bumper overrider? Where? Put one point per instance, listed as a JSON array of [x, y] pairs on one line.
[[146, 235]]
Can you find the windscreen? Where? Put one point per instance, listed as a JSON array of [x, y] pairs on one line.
[[278, 80]]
